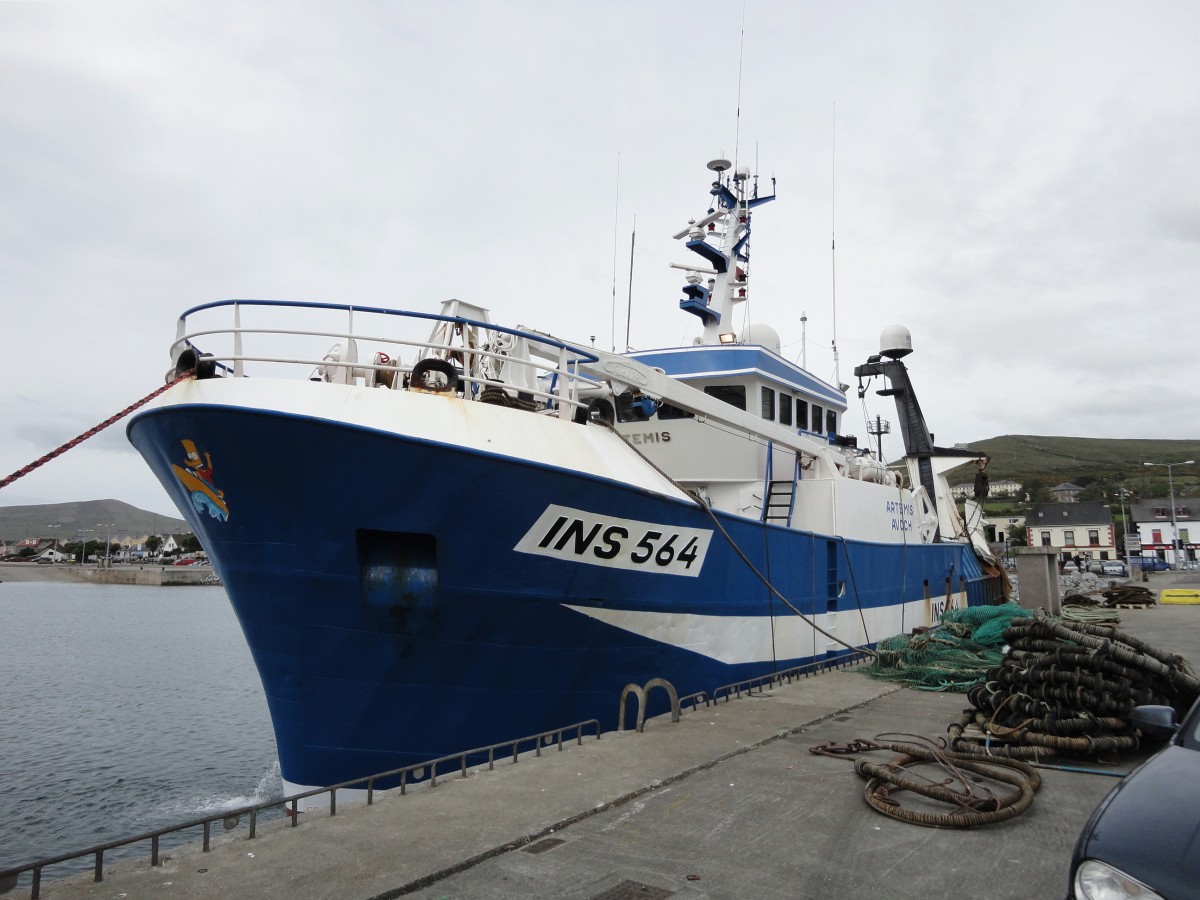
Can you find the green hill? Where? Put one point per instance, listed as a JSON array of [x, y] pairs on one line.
[[95, 517], [1047, 461]]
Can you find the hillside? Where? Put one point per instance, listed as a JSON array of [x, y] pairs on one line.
[[72, 519], [1050, 460]]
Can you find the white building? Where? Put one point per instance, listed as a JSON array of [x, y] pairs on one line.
[[1076, 529], [1156, 530]]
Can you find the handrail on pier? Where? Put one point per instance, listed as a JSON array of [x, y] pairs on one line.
[[9, 878]]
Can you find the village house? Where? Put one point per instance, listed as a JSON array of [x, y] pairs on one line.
[[1002, 487], [1075, 529], [1156, 529]]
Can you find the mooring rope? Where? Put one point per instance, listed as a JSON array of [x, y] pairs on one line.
[[38, 463], [972, 804]]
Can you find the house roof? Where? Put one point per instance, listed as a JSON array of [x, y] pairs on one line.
[[1187, 509], [1072, 514]]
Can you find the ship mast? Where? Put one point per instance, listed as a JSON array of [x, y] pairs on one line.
[[722, 239]]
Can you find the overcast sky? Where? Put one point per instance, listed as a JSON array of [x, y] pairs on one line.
[[1015, 182]]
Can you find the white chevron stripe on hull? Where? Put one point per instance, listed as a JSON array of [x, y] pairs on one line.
[[748, 639]]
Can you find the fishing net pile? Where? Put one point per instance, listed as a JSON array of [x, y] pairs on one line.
[[952, 656], [1069, 688]]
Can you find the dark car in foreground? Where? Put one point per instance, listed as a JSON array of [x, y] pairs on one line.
[[1143, 841]]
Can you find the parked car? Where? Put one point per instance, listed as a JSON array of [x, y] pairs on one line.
[[1112, 567], [1153, 563], [1140, 842]]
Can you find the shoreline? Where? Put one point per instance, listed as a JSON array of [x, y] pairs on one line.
[[122, 574]]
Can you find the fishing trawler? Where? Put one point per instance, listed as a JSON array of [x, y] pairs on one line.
[[439, 532]]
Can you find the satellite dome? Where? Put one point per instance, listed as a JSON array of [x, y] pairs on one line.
[[895, 342], [763, 335]]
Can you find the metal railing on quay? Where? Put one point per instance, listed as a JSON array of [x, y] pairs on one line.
[[10, 878], [760, 683]]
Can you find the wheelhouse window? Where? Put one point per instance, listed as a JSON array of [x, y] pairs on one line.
[[667, 411], [767, 398], [830, 422], [630, 408], [733, 394], [802, 414], [818, 415], [785, 409]]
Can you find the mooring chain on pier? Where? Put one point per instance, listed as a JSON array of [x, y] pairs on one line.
[[973, 802], [37, 463]]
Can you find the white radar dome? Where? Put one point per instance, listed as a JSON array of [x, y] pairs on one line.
[[763, 335], [895, 342]]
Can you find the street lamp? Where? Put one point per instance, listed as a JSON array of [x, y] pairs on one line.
[[1174, 522], [55, 540], [107, 542], [83, 542]]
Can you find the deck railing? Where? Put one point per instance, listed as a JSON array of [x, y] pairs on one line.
[[550, 372]]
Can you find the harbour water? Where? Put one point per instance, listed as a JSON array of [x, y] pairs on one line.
[[123, 709]]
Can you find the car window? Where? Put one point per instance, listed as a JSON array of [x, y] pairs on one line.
[[1190, 730]]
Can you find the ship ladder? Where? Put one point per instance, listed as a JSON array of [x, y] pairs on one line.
[[780, 496]]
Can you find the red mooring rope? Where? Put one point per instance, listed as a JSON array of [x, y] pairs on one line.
[[87, 434]]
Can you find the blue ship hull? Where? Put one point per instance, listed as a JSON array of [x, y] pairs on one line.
[[393, 621]]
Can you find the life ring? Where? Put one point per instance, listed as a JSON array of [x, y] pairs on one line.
[[435, 376]]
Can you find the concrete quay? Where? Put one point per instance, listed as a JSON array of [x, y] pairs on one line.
[[727, 803], [132, 573]]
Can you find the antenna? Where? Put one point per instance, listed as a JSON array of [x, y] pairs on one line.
[[737, 125], [837, 373], [804, 340], [629, 301], [878, 429], [616, 209]]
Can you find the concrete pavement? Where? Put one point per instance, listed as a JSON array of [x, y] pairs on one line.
[[726, 803]]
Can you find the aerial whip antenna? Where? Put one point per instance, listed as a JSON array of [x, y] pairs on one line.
[[629, 301], [804, 340], [737, 124], [616, 209], [837, 371]]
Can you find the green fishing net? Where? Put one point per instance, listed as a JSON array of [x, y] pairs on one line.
[[951, 656]]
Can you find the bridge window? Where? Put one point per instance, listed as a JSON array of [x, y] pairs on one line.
[[785, 409], [802, 414], [818, 415], [667, 411], [768, 403], [733, 394], [830, 422]]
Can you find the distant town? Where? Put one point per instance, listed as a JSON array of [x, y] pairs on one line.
[[1153, 533], [99, 532]]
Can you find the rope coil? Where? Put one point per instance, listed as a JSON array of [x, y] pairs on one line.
[[964, 788]]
